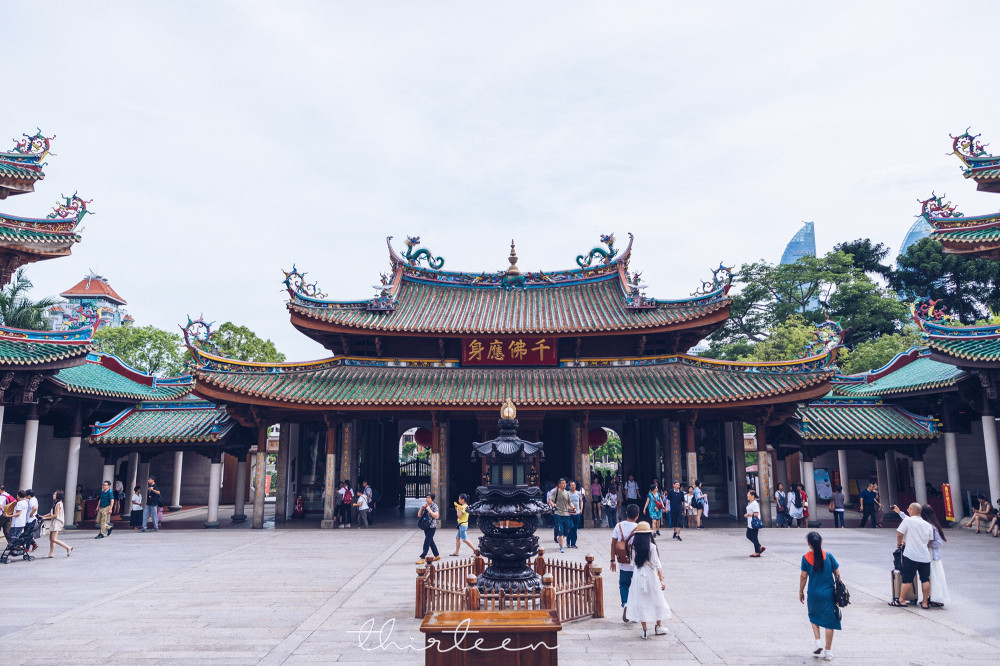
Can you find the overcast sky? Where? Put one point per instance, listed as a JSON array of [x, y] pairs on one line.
[[221, 142]]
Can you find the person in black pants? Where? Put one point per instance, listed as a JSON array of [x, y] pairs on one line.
[[868, 507], [430, 510], [676, 498], [753, 511]]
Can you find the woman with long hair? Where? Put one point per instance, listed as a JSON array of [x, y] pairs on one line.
[[819, 570], [58, 518], [596, 495], [645, 596], [654, 506], [753, 511]]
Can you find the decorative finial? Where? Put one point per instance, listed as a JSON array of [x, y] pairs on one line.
[[513, 270], [508, 410]]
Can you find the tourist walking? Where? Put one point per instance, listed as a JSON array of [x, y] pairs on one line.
[[781, 500], [19, 516], [58, 518], [153, 502], [879, 509], [654, 507], [427, 520], [32, 526], [914, 535], [596, 500], [631, 490], [563, 510], [7, 504], [688, 509], [363, 508], [867, 508], [646, 601], [462, 513], [621, 554], [576, 499], [837, 507], [754, 523], [116, 509], [135, 502], [103, 519], [805, 506], [610, 505], [698, 503], [676, 498], [795, 510], [820, 570]]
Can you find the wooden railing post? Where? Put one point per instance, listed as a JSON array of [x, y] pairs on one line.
[[471, 594], [548, 593], [418, 610], [478, 564], [540, 562], [594, 578]]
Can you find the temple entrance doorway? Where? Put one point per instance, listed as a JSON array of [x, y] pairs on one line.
[[414, 465]]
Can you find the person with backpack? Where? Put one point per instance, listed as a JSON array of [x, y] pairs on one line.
[[621, 553], [677, 506], [646, 591], [462, 514], [781, 499], [821, 571], [427, 520], [19, 516], [347, 501], [698, 504], [32, 526]]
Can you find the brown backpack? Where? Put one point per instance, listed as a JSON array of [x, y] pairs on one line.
[[623, 549]]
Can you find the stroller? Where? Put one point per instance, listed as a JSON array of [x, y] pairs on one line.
[[19, 546]]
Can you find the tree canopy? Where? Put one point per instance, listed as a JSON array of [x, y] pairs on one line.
[[146, 348], [240, 343]]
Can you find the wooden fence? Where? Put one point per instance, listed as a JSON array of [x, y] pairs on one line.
[[573, 590]]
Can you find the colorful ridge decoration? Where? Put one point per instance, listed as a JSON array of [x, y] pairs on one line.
[[21, 167], [20, 348], [961, 345], [980, 166]]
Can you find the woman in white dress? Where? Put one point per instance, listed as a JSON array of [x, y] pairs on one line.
[[645, 595], [58, 518]]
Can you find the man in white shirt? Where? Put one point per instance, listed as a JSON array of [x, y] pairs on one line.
[[631, 489], [20, 516], [624, 531], [32, 518], [914, 535]]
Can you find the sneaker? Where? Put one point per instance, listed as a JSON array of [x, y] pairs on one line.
[[678, 537], [660, 631], [561, 550], [143, 529], [624, 613], [99, 536], [643, 636], [827, 655]]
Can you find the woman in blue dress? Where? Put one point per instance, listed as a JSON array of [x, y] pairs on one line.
[[820, 569], [654, 507]]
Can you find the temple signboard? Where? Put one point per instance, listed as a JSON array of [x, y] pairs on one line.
[[489, 350]]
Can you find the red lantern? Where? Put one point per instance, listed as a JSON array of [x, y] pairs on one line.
[[596, 437], [423, 437]]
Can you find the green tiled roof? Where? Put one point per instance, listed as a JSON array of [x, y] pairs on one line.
[[92, 378], [33, 237], [840, 420], [27, 348], [179, 422], [968, 348], [918, 375], [18, 172], [681, 382], [981, 235], [596, 305]]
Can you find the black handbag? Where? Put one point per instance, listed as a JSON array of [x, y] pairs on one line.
[[840, 594], [424, 522]]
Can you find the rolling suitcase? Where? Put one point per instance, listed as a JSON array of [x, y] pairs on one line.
[[897, 587]]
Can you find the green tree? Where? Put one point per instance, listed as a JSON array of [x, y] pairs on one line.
[[871, 354], [867, 256], [19, 311], [145, 348], [789, 340], [969, 288], [865, 310], [610, 449], [242, 344]]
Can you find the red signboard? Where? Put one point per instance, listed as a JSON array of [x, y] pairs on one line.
[[508, 350], [949, 508]]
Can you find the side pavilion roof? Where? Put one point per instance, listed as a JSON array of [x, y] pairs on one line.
[[841, 419], [176, 423], [24, 240], [107, 377], [597, 298], [909, 373], [978, 235]]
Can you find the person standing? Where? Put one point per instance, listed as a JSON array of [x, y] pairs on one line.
[[31, 526], [563, 511], [631, 490], [347, 501], [621, 556], [119, 498], [654, 507], [646, 602], [819, 570], [939, 584], [104, 510], [837, 506], [794, 500], [78, 509], [462, 514], [19, 516], [914, 536], [6, 500], [58, 518], [879, 510], [430, 511], [369, 494], [596, 497], [153, 503], [676, 498], [135, 502], [781, 500], [363, 508], [753, 511], [867, 508], [698, 503], [689, 506], [610, 506], [576, 513]]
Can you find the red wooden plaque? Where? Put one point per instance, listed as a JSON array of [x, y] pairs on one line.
[[495, 350]]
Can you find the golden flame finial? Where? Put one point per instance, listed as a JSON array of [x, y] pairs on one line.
[[508, 410]]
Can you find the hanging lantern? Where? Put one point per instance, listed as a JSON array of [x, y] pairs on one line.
[[423, 437], [596, 437]]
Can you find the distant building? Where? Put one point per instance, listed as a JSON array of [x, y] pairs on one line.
[[921, 228], [89, 299], [803, 244]]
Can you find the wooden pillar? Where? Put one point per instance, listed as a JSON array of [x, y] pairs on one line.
[[260, 475], [690, 451], [330, 495], [676, 465], [762, 474]]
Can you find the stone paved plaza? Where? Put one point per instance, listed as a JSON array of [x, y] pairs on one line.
[[293, 596]]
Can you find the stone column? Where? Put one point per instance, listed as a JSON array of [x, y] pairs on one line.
[[29, 449], [281, 492], [689, 448], [442, 501], [329, 501], [954, 480], [989, 441], [919, 478], [143, 476], [129, 483], [240, 494], [809, 481], [842, 464], [889, 492], [72, 467], [175, 490], [214, 482], [260, 475], [765, 483]]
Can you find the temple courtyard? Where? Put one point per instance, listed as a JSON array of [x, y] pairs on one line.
[[301, 596]]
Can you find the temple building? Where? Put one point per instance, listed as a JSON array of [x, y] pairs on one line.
[[90, 300], [576, 350]]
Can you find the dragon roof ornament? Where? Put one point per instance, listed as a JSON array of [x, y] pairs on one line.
[[198, 335], [295, 283], [967, 146], [414, 257], [722, 278], [34, 146], [606, 256], [827, 339], [936, 207], [73, 207]]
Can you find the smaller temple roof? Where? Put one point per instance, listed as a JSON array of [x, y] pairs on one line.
[[859, 419], [977, 235], [25, 349], [965, 346], [174, 422], [107, 376], [908, 372], [980, 166], [94, 286], [21, 167]]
